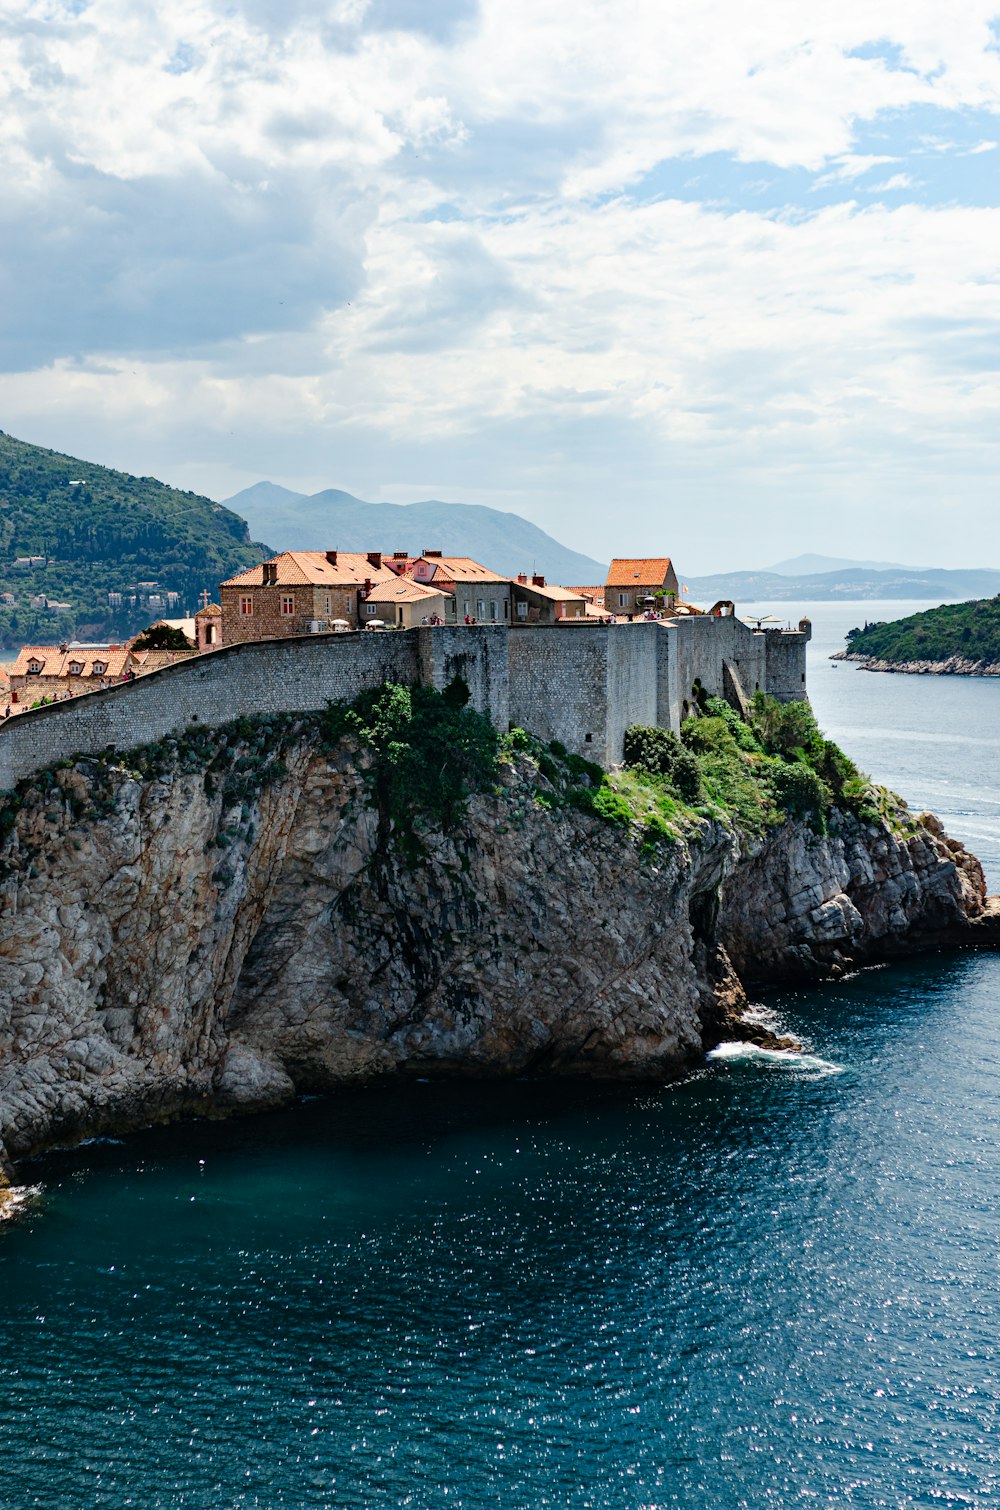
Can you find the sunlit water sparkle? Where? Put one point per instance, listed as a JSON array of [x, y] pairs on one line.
[[772, 1283]]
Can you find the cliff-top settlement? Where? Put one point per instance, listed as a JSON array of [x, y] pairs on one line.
[[292, 634]]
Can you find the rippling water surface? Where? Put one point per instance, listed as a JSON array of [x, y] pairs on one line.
[[773, 1283]]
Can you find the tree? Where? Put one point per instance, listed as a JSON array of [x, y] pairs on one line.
[[162, 637]]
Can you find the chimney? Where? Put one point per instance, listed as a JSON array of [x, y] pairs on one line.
[[367, 587], [270, 573], [401, 555], [522, 577], [433, 555], [538, 581], [375, 559], [331, 556]]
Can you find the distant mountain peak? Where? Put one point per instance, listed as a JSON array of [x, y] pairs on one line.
[[335, 519], [809, 565]]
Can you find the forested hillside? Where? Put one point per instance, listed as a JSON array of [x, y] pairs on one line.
[[970, 631], [95, 532]]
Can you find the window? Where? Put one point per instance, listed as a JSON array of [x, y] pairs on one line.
[[623, 600], [99, 668], [34, 668], [493, 611], [371, 608], [246, 607], [465, 607], [480, 608], [287, 605], [522, 609], [75, 668], [326, 604]]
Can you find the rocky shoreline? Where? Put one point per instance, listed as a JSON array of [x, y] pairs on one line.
[[166, 950], [953, 666]]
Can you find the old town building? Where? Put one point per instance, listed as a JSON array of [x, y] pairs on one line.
[[300, 592], [635, 584]]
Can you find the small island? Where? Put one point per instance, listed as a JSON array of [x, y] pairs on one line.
[[956, 639]]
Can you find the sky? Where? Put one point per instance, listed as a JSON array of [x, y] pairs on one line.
[[716, 281]]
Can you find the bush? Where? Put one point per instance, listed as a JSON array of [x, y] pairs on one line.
[[653, 750], [430, 751], [658, 752], [611, 805], [798, 790], [786, 728]]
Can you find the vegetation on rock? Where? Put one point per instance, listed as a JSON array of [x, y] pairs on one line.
[[425, 753], [968, 631]]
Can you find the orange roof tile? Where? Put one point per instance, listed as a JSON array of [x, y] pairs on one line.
[[403, 590], [56, 662], [553, 591], [461, 569], [637, 571], [312, 569]]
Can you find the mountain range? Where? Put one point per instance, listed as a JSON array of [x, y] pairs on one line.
[[850, 582], [506, 542]]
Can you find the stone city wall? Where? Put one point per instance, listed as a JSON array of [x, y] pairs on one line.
[[274, 676], [581, 684]]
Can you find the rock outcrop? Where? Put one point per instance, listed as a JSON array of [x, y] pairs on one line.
[[808, 906], [165, 951], [955, 665]]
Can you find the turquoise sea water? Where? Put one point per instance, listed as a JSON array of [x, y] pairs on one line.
[[773, 1283]]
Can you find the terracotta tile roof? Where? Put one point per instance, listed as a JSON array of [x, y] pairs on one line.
[[557, 594], [592, 594], [56, 662], [46, 654], [461, 569], [638, 571], [312, 569], [403, 590]]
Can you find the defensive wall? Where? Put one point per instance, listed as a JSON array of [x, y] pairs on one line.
[[582, 684]]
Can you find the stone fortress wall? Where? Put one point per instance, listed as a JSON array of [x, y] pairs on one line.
[[582, 684]]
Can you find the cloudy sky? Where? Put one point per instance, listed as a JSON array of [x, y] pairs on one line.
[[716, 279]]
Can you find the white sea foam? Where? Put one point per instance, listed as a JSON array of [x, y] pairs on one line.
[[736, 1052], [14, 1200]]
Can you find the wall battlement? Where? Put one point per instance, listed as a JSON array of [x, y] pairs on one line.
[[582, 684]]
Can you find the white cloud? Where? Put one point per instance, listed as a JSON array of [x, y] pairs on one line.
[[252, 238]]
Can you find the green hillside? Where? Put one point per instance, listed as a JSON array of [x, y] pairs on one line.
[[100, 532], [968, 630]]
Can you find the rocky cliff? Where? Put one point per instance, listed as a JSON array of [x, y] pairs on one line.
[[168, 946]]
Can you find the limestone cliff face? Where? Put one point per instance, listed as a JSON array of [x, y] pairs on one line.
[[168, 954], [807, 906]]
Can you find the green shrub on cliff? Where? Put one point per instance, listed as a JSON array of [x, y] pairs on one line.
[[430, 750]]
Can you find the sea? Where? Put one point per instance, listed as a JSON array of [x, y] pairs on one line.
[[773, 1283]]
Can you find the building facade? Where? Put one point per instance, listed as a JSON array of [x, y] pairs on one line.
[[300, 592], [536, 602], [637, 584], [478, 595]]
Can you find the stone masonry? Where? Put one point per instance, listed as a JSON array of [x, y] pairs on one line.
[[582, 684]]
